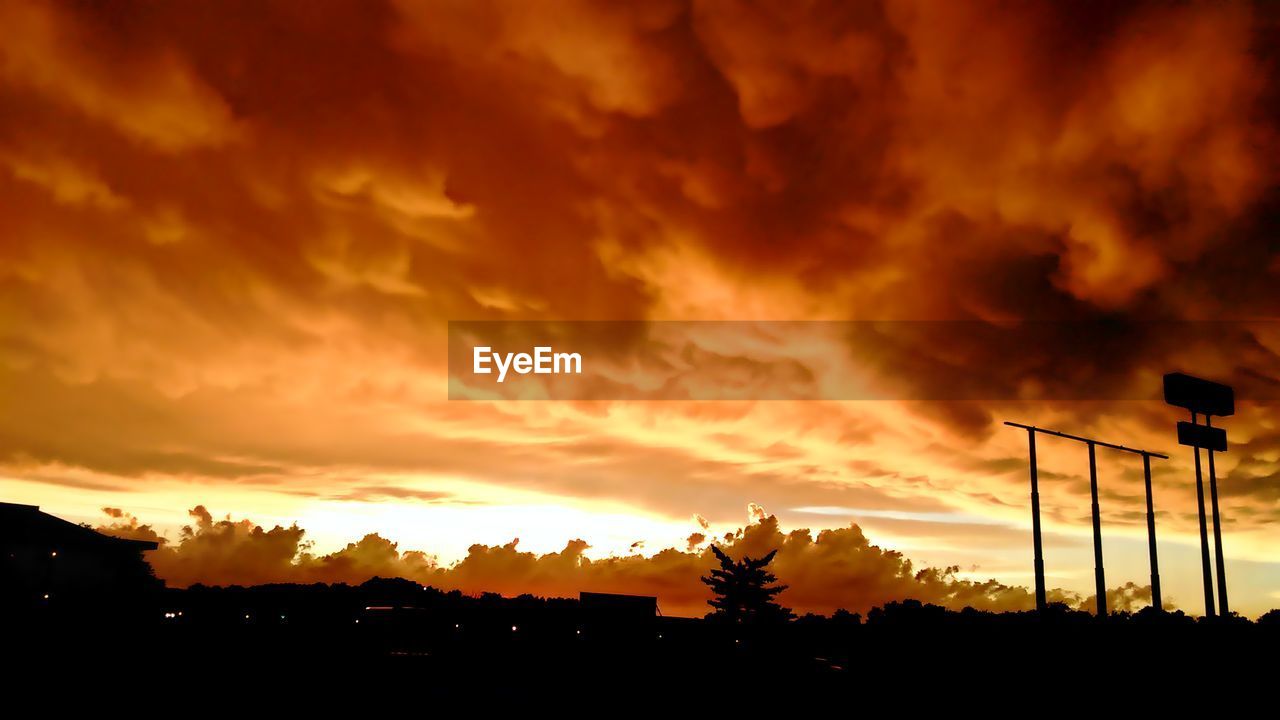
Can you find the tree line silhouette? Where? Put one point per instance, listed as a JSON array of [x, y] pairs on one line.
[[456, 637]]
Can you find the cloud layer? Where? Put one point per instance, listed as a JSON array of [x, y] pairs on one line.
[[231, 237], [838, 568]]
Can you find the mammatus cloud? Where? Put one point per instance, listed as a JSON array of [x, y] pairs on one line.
[[835, 569]]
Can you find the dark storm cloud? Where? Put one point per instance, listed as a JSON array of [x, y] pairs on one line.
[[233, 233]]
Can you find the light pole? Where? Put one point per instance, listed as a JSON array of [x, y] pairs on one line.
[[1099, 575], [1037, 547], [1156, 600]]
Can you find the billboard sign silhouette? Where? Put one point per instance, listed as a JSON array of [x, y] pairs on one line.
[[1199, 396], [1202, 436]]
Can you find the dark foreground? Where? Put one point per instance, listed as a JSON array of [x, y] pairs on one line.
[[399, 635]]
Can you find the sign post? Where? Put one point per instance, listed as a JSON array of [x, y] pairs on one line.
[[1204, 535], [1217, 526], [1203, 397]]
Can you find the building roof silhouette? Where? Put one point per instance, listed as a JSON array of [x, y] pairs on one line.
[[26, 525]]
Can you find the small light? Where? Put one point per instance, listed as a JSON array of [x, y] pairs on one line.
[[513, 627], [578, 632], [246, 617], [46, 597], [357, 621], [53, 554], [456, 626]]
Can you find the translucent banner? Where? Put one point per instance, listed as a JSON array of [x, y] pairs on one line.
[[854, 360]]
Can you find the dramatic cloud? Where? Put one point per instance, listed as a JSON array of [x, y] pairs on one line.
[[151, 96], [232, 236]]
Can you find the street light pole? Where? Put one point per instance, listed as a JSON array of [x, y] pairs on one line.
[[1037, 548], [1156, 601], [1098, 575]]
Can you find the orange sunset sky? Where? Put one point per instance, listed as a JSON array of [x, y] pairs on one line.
[[232, 235]]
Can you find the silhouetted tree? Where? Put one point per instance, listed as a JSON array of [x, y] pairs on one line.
[[745, 591]]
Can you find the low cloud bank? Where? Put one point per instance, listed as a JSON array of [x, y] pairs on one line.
[[836, 569]]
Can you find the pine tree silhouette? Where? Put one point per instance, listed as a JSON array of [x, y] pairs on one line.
[[745, 591]]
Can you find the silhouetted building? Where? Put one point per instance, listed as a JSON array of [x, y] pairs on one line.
[[614, 617], [47, 562], [630, 607]]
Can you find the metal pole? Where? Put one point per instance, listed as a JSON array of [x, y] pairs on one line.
[[1204, 536], [1217, 533], [1099, 572], [1099, 576], [1078, 438], [1041, 602], [1151, 536]]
